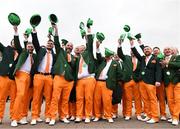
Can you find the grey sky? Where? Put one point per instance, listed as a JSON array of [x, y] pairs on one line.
[[157, 20]]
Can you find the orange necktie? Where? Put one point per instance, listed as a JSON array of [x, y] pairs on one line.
[[134, 63], [48, 62], [81, 65]]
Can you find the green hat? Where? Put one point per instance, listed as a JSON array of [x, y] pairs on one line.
[[81, 25], [35, 20], [28, 31], [83, 33], [100, 36], [160, 56], [53, 18], [138, 36], [130, 36], [64, 41], [122, 36], [126, 28], [51, 30], [108, 52], [89, 23], [14, 19]]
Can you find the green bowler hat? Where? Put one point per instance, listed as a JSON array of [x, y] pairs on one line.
[[14, 19], [126, 28], [53, 18], [50, 30], [28, 31], [64, 41], [130, 36], [108, 52], [35, 20], [160, 56], [81, 25], [100, 36], [138, 36], [122, 36], [89, 23], [83, 33]]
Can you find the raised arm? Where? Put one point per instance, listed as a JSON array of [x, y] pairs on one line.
[[100, 59], [119, 50], [134, 50], [35, 40], [16, 40], [56, 40], [89, 38]]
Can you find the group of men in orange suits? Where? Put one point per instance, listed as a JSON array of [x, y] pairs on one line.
[[80, 86]]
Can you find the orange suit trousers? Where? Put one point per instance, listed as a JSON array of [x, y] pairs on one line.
[[43, 85], [84, 96], [61, 92]]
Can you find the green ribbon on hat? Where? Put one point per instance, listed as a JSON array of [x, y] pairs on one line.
[[89, 23], [100, 36], [130, 36], [14, 19], [138, 36], [35, 20], [126, 28], [28, 31], [108, 52]]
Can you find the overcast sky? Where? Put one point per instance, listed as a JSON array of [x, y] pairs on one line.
[[157, 20]]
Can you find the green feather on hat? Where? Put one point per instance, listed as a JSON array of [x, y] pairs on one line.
[[108, 52]]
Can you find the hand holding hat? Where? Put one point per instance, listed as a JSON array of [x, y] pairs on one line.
[[130, 36], [89, 23], [138, 36], [53, 19], [64, 42], [35, 20], [100, 36], [122, 37], [14, 19], [28, 32], [51, 31]]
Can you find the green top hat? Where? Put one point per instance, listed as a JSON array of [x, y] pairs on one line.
[[14, 19], [53, 18], [83, 33], [51, 30], [108, 52], [35, 20], [28, 31], [138, 36], [126, 28], [89, 23], [122, 37], [81, 25], [64, 41], [130, 36], [100, 36]]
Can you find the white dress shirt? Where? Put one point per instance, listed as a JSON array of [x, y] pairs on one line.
[[103, 75], [26, 67]]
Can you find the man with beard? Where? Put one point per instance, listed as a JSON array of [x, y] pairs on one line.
[[171, 78], [131, 82], [151, 78], [7, 64], [23, 78], [43, 80], [160, 90], [63, 80]]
